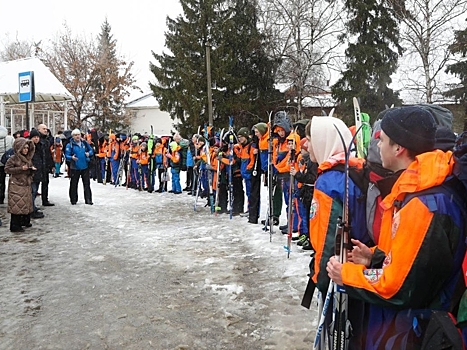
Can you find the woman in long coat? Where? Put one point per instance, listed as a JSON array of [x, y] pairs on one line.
[[21, 171]]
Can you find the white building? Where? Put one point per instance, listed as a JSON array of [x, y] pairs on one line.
[[146, 112]]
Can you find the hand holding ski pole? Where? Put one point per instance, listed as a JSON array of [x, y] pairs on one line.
[[334, 269], [360, 254]]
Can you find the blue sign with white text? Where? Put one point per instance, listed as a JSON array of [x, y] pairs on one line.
[[26, 87]]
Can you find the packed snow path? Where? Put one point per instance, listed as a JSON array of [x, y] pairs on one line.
[[142, 270]]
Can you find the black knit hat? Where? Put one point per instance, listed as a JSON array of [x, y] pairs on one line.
[[411, 127], [33, 133], [445, 139]]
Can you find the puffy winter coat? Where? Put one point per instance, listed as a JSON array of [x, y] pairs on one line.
[[19, 185], [79, 150]]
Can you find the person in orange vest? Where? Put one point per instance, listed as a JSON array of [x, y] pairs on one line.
[[280, 159], [305, 174], [215, 164], [57, 154], [102, 155], [113, 153], [124, 153], [134, 151], [173, 153], [143, 160], [247, 162], [160, 163]]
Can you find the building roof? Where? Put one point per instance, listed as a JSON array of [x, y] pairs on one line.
[[47, 87], [143, 102]]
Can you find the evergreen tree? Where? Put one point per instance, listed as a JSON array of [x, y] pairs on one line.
[[112, 80], [371, 59], [459, 69], [241, 73]]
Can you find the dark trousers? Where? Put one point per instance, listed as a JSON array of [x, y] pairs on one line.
[[254, 199], [45, 188], [73, 192], [2, 184], [34, 190], [162, 184], [222, 188], [189, 177], [238, 195]]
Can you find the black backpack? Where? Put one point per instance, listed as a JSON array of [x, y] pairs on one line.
[[7, 155], [442, 333]]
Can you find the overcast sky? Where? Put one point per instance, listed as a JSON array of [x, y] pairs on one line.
[[138, 27]]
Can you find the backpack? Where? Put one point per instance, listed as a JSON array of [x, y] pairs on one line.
[[442, 333], [184, 144], [7, 155], [443, 116]]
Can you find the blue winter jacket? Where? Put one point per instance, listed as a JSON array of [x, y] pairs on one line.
[[78, 150]]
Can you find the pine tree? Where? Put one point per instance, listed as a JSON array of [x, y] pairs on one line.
[[371, 59], [112, 80], [459, 69], [241, 72]]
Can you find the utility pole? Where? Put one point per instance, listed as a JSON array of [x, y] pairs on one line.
[[208, 69]]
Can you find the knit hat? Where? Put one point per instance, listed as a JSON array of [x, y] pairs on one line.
[[144, 145], [445, 139], [33, 133], [261, 127], [135, 138], [173, 145], [411, 127], [304, 144], [243, 132]]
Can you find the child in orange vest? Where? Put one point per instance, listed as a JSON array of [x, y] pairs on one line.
[[143, 160], [57, 152]]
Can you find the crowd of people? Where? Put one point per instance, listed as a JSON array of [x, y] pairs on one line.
[[30, 157], [406, 244]]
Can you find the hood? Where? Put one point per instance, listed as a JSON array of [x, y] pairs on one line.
[[325, 138], [3, 132], [282, 120], [427, 170], [20, 142]]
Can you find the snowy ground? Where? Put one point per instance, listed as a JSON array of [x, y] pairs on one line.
[[142, 270]]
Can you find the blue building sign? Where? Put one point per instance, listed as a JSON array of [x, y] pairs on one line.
[[26, 87]]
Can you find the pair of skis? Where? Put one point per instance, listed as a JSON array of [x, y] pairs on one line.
[[209, 172], [290, 217], [270, 181], [218, 175], [104, 180], [231, 150], [363, 127], [341, 328]]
